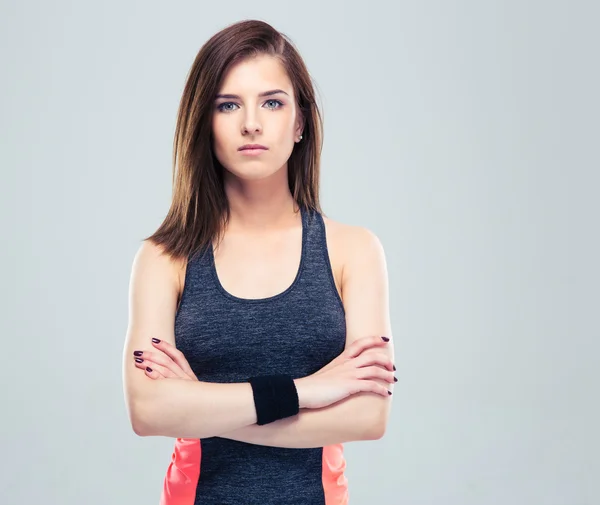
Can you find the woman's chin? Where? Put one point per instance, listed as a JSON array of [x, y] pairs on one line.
[[254, 173]]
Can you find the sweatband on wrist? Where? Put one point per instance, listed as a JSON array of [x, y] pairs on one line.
[[275, 397]]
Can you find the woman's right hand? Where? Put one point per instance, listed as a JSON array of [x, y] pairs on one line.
[[351, 372]]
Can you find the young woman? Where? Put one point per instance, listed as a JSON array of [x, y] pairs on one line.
[[268, 320]]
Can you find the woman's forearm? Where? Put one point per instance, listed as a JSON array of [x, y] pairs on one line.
[[191, 409], [350, 420]]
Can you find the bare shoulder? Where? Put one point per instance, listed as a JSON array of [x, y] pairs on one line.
[[152, 260], [352, 241], [352, 248], [152, 252]]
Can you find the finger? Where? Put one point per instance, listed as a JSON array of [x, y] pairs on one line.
[[375, 372], [161, 370], [162, 361], [374, 359], [153, 373], [361, 344], [175, 354], [368, 386]]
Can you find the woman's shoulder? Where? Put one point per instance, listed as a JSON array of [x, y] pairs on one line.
[[350, 237], [152, 252], [153, 258], [355, 253], [352, 249]]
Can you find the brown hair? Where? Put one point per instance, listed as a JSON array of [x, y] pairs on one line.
[[199, 208]]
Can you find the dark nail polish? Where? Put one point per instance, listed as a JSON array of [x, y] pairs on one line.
[[139, 360], [137, 353], [395, 379], [389, 392], [148, 369], [394, 368], [385, 339], [156, 341]]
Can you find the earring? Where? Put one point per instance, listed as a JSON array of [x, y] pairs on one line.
[[300, 138]]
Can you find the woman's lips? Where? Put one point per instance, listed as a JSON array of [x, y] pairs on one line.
[[252, 152]]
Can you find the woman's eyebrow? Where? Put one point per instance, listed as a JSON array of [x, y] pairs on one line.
[[264, 93]]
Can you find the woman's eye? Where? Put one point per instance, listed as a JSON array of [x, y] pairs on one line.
[[223, 107], [279, 104]]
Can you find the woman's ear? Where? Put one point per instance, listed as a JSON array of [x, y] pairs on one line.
[[299, 126]]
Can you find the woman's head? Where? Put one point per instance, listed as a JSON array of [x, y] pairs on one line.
[[256, 104], [244, 59]]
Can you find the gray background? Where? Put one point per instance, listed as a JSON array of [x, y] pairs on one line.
[[464, 134]]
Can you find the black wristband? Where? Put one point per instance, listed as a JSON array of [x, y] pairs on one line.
[[275, 397]]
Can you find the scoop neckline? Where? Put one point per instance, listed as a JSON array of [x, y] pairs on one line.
[[227, 294]]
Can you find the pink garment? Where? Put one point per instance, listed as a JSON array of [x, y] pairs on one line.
[[179, 487]]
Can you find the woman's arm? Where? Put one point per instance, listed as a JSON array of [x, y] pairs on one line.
[[345, 421], [362, 416], [172, 408]]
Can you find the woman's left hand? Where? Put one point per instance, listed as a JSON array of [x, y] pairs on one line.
[[166, 362]]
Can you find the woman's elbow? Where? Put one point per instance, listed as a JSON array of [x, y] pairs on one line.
[[378, 425], [140, 428], [139, 417], [136, 422], [378, 431], [142, 401]]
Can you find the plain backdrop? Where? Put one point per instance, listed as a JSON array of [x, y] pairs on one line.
[[465, 134]]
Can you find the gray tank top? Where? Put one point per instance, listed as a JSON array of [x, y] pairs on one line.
[[227, 339]]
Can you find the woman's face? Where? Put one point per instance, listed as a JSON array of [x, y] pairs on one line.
[[244, 114]]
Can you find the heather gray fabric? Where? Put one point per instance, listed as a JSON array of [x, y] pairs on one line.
[[228, 339]]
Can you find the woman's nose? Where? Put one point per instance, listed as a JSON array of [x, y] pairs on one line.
[[251, 124], [251, 127]]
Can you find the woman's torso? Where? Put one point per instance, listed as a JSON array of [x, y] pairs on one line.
[[265, 307]]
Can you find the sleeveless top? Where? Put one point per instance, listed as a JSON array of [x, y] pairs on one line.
[[227, 339]]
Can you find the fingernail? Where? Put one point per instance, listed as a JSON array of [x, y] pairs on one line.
[[139, 360], [156, 341], [137, 353], [148, 369], [395, 380], [385, 339], [389, 392], [394, 368]]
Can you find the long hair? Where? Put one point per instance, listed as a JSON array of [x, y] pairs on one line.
[[199, 208]]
